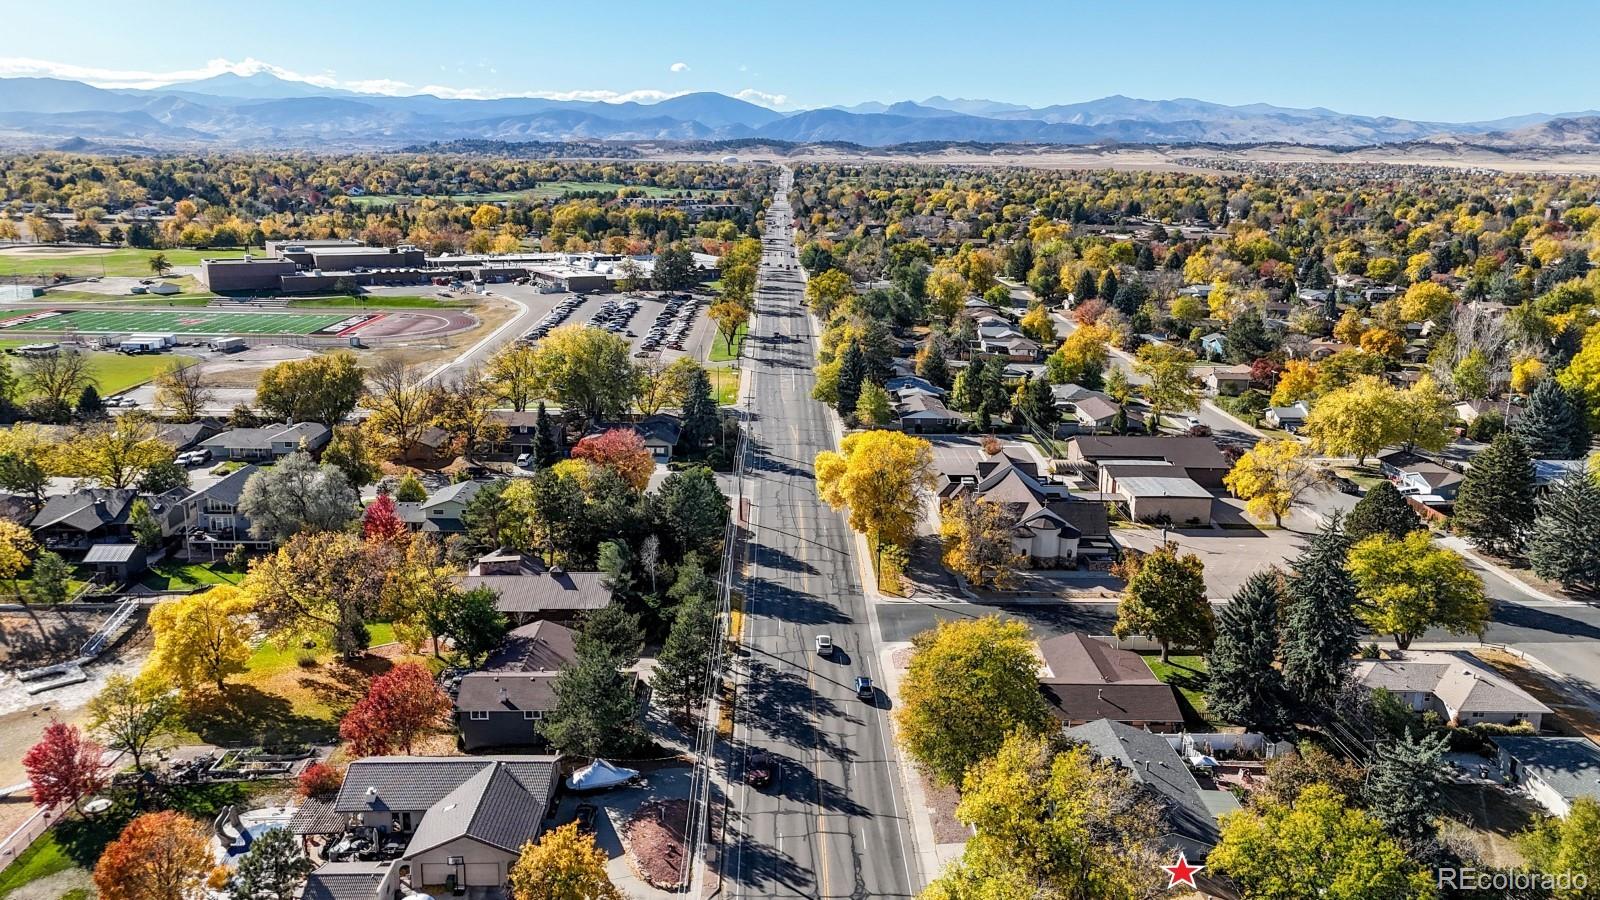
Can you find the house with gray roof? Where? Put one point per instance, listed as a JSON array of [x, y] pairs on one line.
[[460, 821], [1191, 810], [1554, 771], [1458, 690], [444, 511], [1050, 526], [267, 443], [215, 525], [75, 522], [503, 703], [529, 591]]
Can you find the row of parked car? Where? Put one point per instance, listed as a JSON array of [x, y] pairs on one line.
[[552, 318], [193, 457], [672, 324], [614, 316]]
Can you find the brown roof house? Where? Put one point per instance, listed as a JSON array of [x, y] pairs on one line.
[[503, 703], [1085, 679]]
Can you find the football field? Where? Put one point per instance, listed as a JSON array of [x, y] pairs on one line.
[[195, 321]]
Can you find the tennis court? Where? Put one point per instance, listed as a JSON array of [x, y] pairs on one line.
[[195, 321]]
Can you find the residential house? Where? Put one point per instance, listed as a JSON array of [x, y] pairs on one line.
[[1087, 410], [1290, 418], [444, 511], [213, 520], [1555, 771], [910, 384], [1192, 811], [1212, 345], [1051, 527], [659, 432], [458, 823], [1460, 692], [920, 413], [1014, 347], [503, 703], [431, 448], [520, 432], [68, 523], [528, 591], [180, 436], [1549, 471], [1416, 475], [1468, 411], [267, 443], [1227, 381], [115, 563], [1085, 679], [1197, 457]]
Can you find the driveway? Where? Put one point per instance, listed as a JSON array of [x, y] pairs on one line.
[[1231, 555]]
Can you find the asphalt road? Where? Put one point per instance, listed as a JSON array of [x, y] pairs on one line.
[[832, 823]]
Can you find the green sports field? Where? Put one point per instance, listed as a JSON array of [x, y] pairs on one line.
[[198, 321]]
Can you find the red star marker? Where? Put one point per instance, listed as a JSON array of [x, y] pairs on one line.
[[1181, 872]]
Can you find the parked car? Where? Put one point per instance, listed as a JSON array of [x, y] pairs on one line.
[[585, 815], [525, 460]]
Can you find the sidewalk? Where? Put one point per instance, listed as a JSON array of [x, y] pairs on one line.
[[1465, 548]]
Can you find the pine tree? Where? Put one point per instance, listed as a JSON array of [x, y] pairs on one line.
[[1565, 543], [932, 366], [1107, 290], [680, 673], [1084, 288], [544, 438], [852, 372], [1553, 425], [1403, 785], [1034, 405], [1381, 511], [1494, 506], [699, 412], [1245, 688], [1319, 625]]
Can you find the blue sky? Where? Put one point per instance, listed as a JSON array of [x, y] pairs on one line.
[[1446, 60]]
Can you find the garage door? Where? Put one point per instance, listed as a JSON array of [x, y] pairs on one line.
[[483, 873], [436, 873]]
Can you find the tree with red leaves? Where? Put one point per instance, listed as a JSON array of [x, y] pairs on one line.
[[381, 524], [64, 766], [400, 704], [320, 780], [621, 450], [159, 856]]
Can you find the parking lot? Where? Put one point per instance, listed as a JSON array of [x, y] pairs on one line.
[[630, 316]]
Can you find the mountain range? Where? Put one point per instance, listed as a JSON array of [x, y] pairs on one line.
[[266, 111]]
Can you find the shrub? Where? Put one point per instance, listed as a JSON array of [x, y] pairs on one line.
[[319, 780]]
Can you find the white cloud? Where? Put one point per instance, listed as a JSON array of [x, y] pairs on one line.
[[678, 67], [774, 101]]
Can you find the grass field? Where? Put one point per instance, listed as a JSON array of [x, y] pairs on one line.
[[725, 384], [116, 372], [721, 352], [171, 575], [197, 322], [120, 261], [548, 191], [1189, 675]]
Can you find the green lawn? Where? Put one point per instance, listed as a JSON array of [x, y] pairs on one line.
[[722, 352], [1190, 676], [171, 575], [115, 372], [184, 300], [1365, 477], [725, 385], [117, 261], [43, 858], [129, 321]]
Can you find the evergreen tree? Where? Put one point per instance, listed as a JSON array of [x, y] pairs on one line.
[[273, 869], [1035, 405], [1130, 296], [1107, 289], [992, 398], [1319, 625], [1553, 425], [1020, 262], [1245, 688], [89, 402], [932, 366], [1402, 787], [852, 374], [596, 712], [1247, 338], [1381, 511], [1494, 506], [1565, 543], [699, 412], [1084, 289], [544, 437], [681, 670]]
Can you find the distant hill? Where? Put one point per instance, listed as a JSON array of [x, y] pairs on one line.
[[264, 110]]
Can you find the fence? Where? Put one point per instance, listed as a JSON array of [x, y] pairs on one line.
[[26, 833]]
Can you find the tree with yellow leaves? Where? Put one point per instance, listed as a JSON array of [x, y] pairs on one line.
[[883, 478], [563, 865], [1036, 323], [977, 537], [1526, 373], [1382, 342], [16, 549], [1169, 385], [1271, 476], [1349, 327], [946, 291], [1081, 359], [1358, 420], [116, 454], [200, 639], [1297, 381], [1425, 300], [825, 292]]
